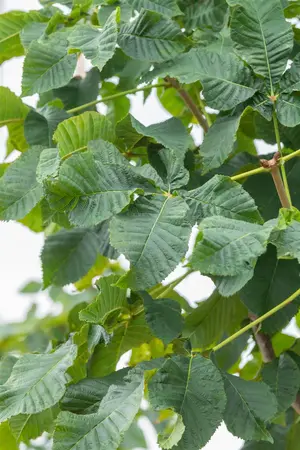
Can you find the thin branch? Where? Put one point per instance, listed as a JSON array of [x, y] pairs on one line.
[[258, 321], [274, 169], [264, 343], [114, 96], [189, 103]]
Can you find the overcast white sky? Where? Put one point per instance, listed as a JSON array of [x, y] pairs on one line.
[[20, 248]]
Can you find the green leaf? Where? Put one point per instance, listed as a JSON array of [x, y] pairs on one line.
[[193, 388], [86, 396], [150, 37], [171, 133], [267, 289], [228, 286], [227, 247], [19, 189], [7, 439], [37, 382], [206, 325], [27, 427], [47, 66], [221, 197], [287, 240], [97, 45], [262, 37], [208, 14], [288, 110], [290, 81], [219, 141], [168, 8], [283, 377], [48, 165], [13, 110], [68, 255], [226, 81], [126, 336], [74, 134], [162, 225], [163, 317], [7, 363], [106, 427], [39, 126], [170, 166], [105, 248], [169, 440], [33, 31], [110, 300], [249, 406], [95, 185], [11, 24]]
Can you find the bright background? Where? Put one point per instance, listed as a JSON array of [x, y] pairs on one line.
[[20, 248]]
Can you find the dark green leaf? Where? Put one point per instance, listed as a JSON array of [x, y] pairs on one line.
[[39, 126]]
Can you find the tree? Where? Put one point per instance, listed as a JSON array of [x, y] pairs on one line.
[[99, 186]]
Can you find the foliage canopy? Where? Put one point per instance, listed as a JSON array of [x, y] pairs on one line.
[[104, 185]]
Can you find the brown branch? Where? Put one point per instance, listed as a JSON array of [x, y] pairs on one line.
[[296, 404], [189, 103], [275, 172]]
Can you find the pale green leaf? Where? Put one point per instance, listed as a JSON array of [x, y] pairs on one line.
[[74, 134], [32, 32], [47, 66], [288, 110], [39, 126], [221, 197], [27, 427], [7, 439], [68, 255], [105, 428], [168, 8], [212, 319], [171, 133], [262, 36], [110, 300], [7, 363], [95, 185], [226, 247], [193, 388], [169, 440], [283, 377], [37, 382], [163, 317], [48, 165], [19, 189], [225, 79], [150, 37], [97, 45], [267, 289], [161, 223], [287, 240], [249, 406], [13, 110]]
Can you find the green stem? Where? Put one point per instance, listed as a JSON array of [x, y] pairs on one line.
[[283, 171], [171, 286], [258, 321], [112, 97]]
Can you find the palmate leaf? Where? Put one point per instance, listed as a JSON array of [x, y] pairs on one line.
[[283, 377], [150, 37], [163, 317], [19, 189], [68, 255], [171, 133], [75, 133], [126, 336], [11, 24], [226, 81], [13, 110], [226, 247], [37, 382], [161, 223], [193, 388], [262, 36], [105, 428], [110, 300], [98, 46], [168, 8], [249, 405], [212, 319], [221, 197], [268, 288], [39, 126], [47, 65], [95, 185]]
